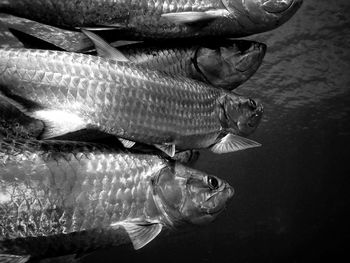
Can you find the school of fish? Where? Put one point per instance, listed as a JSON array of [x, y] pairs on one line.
[[104, 106]]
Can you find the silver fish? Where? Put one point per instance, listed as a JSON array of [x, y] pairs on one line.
[[16, 125], [65, 39], [224, 63], [71, 92], [71, 196], [146, 19]]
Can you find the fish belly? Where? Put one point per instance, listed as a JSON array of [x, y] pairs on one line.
[[119, 98]]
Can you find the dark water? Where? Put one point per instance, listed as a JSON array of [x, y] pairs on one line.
[[291, 195]]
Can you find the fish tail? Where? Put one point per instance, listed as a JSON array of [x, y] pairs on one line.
[[6, 258]]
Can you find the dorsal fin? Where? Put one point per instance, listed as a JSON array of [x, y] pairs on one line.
[[104, 49], [169, 149], [126, 143]]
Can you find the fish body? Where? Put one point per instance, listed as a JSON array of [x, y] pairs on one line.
[[148, 19], [72, 194], [222, 63], [70, 92], [15, 124]]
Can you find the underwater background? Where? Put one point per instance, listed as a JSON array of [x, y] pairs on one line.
[[291, 199]]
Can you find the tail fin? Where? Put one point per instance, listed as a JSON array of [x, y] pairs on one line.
[[5, 258], [32, 34]]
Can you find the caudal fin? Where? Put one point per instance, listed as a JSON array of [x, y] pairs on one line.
[[29, 32], [6, 258]]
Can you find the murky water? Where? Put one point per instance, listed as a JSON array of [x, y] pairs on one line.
[[291, 197]]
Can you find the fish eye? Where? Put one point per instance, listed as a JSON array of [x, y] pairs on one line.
[[213, 182]]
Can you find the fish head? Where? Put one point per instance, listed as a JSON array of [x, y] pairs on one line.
[[241, 115], [230, 64], [192, 196], [262, 14]]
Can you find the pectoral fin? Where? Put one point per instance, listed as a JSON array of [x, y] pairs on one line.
[[127, 143], [195, 17], [140, 233], [5, 258], [104, 49], [169, 149], [233, 143]]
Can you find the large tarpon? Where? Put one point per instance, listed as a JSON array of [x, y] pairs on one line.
[[60, 198], [70, 92], [222, 63], [149, 19], [16, 125]]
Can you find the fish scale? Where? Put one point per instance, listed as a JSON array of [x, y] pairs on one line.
[[175, 60], [134, 89], [72, 189], [143, 19]]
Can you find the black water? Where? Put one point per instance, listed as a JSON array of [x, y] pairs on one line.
[[291, 199]]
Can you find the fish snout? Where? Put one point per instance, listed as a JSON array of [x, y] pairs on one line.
[[229, 191], [277, 6], [248, 123], [261, 47], [280, 6]]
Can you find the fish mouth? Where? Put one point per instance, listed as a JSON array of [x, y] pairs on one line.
[[253, 56], [227, 193], [278, 6]]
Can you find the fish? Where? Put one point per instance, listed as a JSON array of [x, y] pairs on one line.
[[70, 92], [59, 198], [161, 19], [67, 40], [15, 124], [223, 63]]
